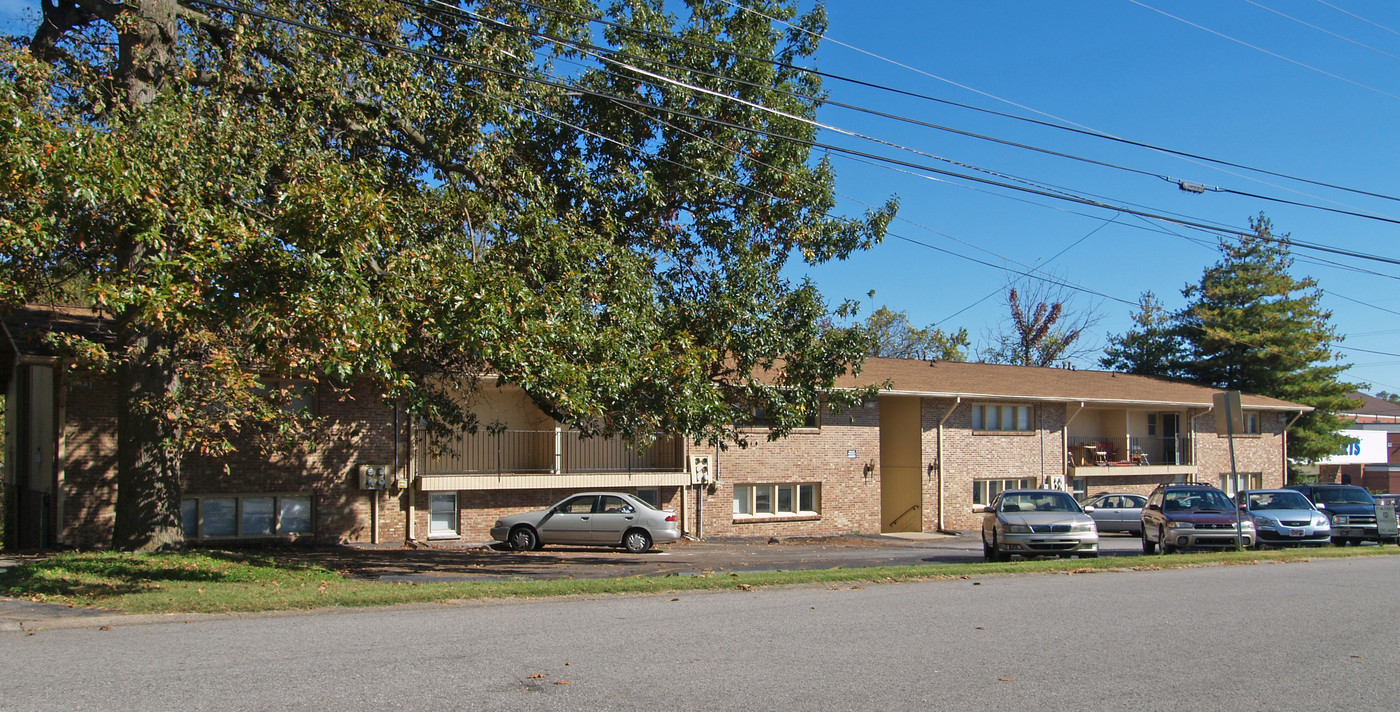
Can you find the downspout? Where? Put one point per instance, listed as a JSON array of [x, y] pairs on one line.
[[60, 449], [956, 402], [1285, 446], [410, 528]]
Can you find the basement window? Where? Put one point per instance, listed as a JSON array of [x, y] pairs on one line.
[[249, 516]]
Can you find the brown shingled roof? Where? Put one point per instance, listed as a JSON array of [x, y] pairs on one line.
[[985, 380], [1371, 405]]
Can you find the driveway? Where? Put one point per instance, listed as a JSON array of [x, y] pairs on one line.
[[478, 562]]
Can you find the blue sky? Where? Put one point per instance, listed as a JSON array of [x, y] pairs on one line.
[[1307, 88], [1229, 79]]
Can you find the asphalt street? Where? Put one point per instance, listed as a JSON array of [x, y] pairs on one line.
[[1315, 635]]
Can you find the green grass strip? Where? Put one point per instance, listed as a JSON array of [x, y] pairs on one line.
[[228, 582]]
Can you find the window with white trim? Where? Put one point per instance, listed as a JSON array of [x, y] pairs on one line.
[[246, 516], [1001, 418], [1233, 483], [984, 490], [442, 514], [784, 500]]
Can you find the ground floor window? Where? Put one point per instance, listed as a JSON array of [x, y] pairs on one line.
[[1080, 486], [1233, 483], [984, 490], [777, 500], [650, 495], [442, 514], [256, 515]]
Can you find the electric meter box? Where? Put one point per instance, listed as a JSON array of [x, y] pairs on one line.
[[374, 477]]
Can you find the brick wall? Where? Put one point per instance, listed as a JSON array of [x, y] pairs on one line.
[[850, 497], [969, 455]]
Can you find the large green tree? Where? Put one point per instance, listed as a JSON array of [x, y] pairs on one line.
[[894, 336], [594, 203], [1152, 347], [1252, 326]]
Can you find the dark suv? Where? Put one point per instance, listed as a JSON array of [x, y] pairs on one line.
[[1352, 510], [1192, 517]]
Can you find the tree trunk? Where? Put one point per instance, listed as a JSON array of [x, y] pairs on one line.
[[148, 463]]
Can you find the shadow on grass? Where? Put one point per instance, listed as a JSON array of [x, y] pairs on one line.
[[105, 574]]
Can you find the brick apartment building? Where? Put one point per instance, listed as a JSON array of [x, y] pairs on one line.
[[939, 438]]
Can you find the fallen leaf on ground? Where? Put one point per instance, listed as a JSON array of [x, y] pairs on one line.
[[537, 676], [1005, 679], [561, 682]]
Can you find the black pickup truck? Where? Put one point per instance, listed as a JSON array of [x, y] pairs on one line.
[[1352, 510]]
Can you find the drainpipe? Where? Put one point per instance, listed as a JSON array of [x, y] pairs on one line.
[[1285, 446], [956, 402]]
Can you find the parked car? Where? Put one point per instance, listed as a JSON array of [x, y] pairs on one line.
[[1182, 516], [1033, 522], [1284, 517], [1352, 510], [1117, 511], [596, 518]]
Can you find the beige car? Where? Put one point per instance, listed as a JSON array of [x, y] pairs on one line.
[[1037, 523]]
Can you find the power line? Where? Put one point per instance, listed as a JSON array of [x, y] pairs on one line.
[[1193, 223], [1257, 48], [1323, 30]]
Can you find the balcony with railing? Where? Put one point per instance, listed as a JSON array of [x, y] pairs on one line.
[[536, 459], [1130, 455]]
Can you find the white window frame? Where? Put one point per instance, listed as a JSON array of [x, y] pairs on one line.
[[1021, 417], [748, 497], [984, 490], [1230, 483], [195, 504], [455, 531]]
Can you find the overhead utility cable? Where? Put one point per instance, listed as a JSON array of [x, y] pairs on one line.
[[772, 134]]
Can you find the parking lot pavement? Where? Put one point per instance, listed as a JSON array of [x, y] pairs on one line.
[[484, 562]]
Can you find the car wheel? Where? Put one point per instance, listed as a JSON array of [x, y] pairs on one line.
[[1337, 541], [1162, 542], [997, 553], [523, 538], [1147, 546], [988, 553], [636, 541]]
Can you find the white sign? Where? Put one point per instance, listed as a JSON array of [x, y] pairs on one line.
[[1369, 449], [850, 454]]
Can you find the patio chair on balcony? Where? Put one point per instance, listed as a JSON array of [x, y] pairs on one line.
[[1139, 457]]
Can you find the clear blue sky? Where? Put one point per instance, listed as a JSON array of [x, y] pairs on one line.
[[1315, 96], [1299, 101]]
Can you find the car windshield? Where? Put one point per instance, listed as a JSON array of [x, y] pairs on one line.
[[1039, 502], [1342, 495], [1197, 501], [1278, 500]]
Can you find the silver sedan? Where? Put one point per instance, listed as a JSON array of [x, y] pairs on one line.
[[1117, 511], [591, 518], [1037, 523]]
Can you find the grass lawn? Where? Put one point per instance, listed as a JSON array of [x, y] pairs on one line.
[[206, 581]]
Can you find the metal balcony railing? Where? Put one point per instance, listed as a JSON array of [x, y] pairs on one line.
[[1092, 450], [546, 452]]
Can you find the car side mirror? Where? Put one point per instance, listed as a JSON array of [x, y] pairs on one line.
[[1320, 505], [979, 508], [1089, 509]]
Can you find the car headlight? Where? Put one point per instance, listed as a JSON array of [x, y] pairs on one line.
[[1265, 523], [1320, 520], [1082, 527], [1340, 519], [1017, 529], [1180, 525], [1246, 525]]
